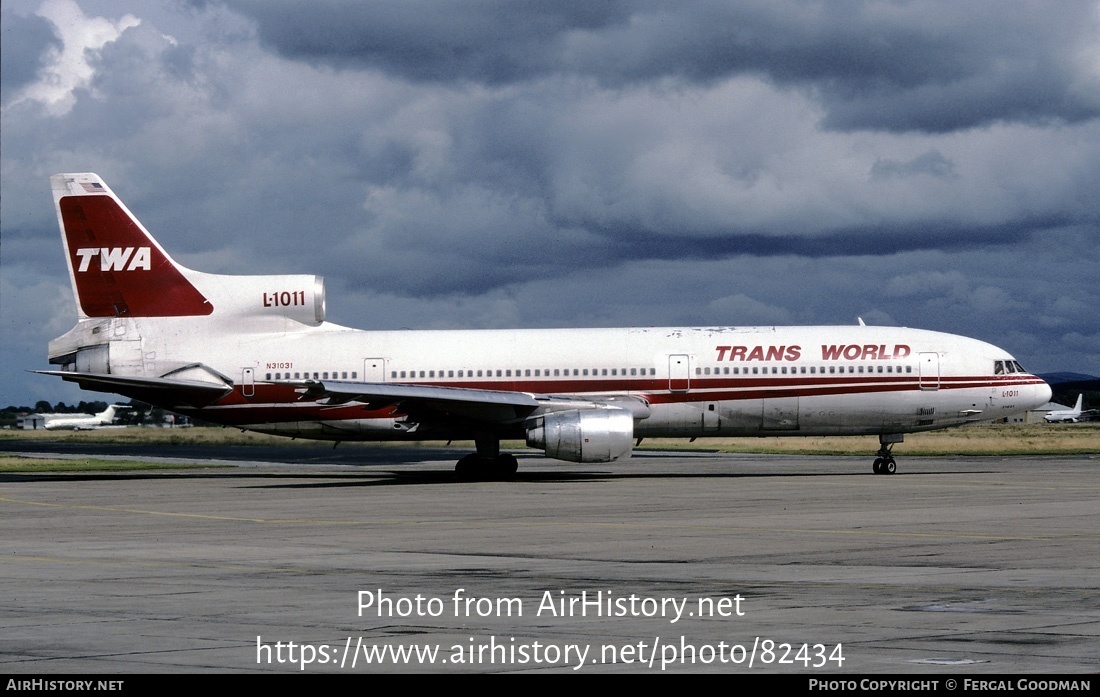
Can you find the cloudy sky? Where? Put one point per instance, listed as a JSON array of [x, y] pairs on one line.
[[547, 164]]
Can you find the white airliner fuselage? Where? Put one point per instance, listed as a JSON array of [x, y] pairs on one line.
[[256, 352], [1066, 415], [80, 422]]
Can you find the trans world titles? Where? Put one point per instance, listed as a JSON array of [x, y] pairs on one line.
[[551, 604]]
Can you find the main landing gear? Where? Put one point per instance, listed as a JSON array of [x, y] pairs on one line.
[[884, 460], [885, 465], [487, 463]]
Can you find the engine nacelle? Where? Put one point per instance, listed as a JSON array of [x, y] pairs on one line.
[[296, 297], [300, 298], [583, 435]]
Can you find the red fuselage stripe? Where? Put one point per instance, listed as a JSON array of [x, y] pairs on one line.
[[280, 401]]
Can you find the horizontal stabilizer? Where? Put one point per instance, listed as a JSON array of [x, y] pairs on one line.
[[190, 393]]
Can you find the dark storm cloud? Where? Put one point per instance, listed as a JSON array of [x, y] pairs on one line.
[[931, 162], [490, 41], [924, 66], [445, 260], [878, 240], [25, 43]]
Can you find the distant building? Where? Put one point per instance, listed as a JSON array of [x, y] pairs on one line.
[[31, 422]]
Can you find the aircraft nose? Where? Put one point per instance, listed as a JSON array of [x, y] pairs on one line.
[[1041, 394]]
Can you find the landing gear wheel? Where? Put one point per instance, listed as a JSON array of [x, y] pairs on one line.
[[506, 466], [469, 467], [474, 467], [884, 459]]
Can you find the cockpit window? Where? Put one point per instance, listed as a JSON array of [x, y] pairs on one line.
[[1002, 367]]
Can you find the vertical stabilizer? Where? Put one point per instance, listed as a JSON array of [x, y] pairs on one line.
[[116, 267]]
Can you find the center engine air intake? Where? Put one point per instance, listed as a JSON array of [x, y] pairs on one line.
[[586, 435]]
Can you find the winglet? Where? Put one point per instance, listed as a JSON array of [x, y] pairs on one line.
[[116, 267]]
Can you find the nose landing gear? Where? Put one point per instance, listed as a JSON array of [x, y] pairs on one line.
[[884, 465], [884, 461]]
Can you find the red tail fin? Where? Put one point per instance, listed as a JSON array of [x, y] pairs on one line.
[[116, 267]]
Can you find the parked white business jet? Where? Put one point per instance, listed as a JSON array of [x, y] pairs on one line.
[[81, 422], [1071, 415], [255, 352]]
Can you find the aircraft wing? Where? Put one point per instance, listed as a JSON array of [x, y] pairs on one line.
[[482, 405], [495, 406]]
